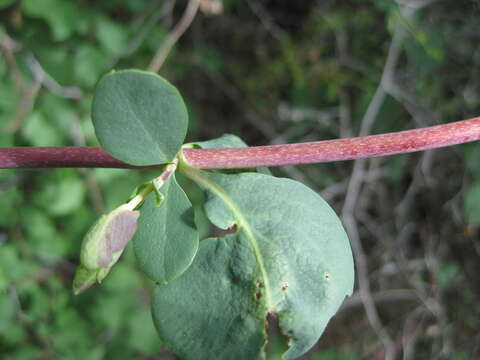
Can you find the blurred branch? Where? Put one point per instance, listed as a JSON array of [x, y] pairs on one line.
[[40, 78], [68, 92], [174, 35], [354, 189], [25, 105], [143, 29], [8, 46], [267, 20]]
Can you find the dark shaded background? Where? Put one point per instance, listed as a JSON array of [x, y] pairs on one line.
[[271, 72]]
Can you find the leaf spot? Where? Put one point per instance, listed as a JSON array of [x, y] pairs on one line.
[[326, 275], [285, 286]]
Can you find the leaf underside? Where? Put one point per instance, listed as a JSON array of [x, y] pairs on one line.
[[166, 240], [139, 117], [289, 256]]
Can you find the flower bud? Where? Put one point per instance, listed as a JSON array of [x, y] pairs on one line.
[[103, 245]]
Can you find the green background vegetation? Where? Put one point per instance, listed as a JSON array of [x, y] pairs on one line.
[[270, 72]]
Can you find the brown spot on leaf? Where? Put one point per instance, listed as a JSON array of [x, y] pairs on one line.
[[285, 286]]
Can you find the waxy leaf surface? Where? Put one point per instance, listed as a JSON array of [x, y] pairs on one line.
[[289, 257], [210, 312], [166, 240], [139, 117]]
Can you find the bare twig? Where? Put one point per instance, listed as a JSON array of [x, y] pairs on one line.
[[143, 29], [266, 20], [30, 93], [353, 192], [68, 92], [25, 105], [174, 35], [8, 46]]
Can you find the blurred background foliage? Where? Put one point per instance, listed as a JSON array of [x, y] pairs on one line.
[[271, 72]]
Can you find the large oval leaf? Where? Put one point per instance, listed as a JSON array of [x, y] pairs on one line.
[[210, 312], [290, 257], [139, 117], [166, 240]]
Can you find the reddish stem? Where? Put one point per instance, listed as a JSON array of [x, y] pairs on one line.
[[58, 157], [275, 155], [339, 149]]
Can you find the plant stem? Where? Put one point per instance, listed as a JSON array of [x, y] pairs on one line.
[[155, 184], [274, 155]]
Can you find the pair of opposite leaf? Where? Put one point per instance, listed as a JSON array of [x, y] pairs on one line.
[[289, 255]]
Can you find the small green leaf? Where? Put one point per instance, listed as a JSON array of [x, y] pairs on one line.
[[40, 132], [112, 36], [289, 257], [224, 141], [63, 192], [139, 117], [166, 240], [103, 245], [61, 16], [88, 64]]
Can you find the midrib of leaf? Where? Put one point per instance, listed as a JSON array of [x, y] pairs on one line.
[[243, 224], [145, 130]]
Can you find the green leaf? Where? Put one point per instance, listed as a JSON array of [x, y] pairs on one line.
[[61, 16], [139, 117], [40, 132], [166, 240], [5, 3], [112, 36], [43, 237], [62, 193], [88, 64], [289, 257], [224, 141], [211, 312], [9, 202]]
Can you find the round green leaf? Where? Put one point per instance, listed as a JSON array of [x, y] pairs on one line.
[[289, 257], [139, 117], [166, 240]]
